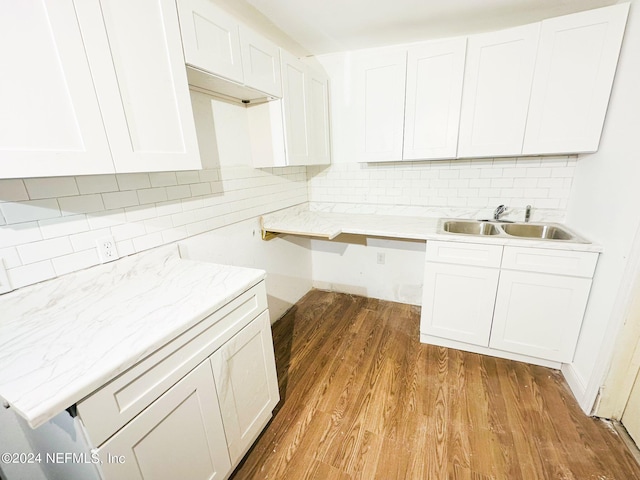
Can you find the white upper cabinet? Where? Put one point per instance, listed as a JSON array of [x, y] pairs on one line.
[[138, 70], [380, 93], [261, 62], [217, 44], [318, 117], [497, 86], [211, 39], [101, 87], [305, 112], [433, 94], [50, 122], [576, 64]]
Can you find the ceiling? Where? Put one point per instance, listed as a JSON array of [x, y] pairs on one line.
[[324, 26]]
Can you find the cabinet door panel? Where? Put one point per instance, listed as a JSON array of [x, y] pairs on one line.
[[295, 97], [135, 54], [457, 302], [497, 87], [434, 94], [319, 119], [539, 314], [247, 385], [261, 63], [211, 39], [576, 64], [179, 436], [380, 94], [50, 122]]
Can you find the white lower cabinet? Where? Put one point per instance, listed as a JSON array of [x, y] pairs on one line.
[[180, 435], [517, 302], [457, 301], [245, 374], [539, 314], [193, 408]]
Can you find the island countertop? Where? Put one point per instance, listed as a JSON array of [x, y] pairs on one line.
[[62, 339]]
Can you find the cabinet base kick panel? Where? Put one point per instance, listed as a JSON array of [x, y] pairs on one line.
[[492, 352]]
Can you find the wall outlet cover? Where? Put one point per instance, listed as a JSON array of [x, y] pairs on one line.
[[107, 250]]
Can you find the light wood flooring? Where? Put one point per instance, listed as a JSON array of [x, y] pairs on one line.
[[363, 399]]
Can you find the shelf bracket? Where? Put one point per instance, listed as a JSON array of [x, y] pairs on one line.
[[266, 235]]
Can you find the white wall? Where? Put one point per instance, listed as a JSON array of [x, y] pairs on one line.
[[373, 267], [604, 205], [286, 259]]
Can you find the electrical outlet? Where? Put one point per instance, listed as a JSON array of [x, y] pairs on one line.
[[5, 284], [107, 250], [380, 258]]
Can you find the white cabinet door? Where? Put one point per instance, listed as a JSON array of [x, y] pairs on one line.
[[135, 54], [318, 110], [379, 78], [539, 314], [50, 121], [457, 302], [577, 60], [247, 385], [434, 92], [497, 86], [295, 110], [210, 39], [180, 435], [261, 63]]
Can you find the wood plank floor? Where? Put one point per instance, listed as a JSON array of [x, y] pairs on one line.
[[363, 399]]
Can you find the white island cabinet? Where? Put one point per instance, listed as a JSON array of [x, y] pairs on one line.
[[95, 86]]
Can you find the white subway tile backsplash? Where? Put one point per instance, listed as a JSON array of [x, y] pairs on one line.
[[87, 240], [30, 210], [163, 179], [10, 257], [81, 204], [63, 226], [106, 218], [178, 192], [12, 235], [152, 195], [29, 274], [75, 261], [198, 189], [147, 241], [133, 181], [120, 199], [125, 247], [51, 187], [44, 249], [97, 184], [187, 177], [140, 213], [13, 190], [127, 231]]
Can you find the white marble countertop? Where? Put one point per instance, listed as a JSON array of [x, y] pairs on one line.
[[62, 339], [300, 220]]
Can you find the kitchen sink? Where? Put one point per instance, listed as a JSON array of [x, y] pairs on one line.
[[471, 227], [543, 232], [496, 229]]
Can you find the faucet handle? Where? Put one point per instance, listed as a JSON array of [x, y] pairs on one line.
[[500, 209]]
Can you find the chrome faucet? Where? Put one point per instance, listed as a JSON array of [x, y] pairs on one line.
[[527, 213], [500, 209]]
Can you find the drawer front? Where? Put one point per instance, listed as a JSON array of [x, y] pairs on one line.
[[111, 407], [464, 253], [543, 260]]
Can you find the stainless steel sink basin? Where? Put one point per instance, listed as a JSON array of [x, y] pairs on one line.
[[495, 229], [543, 232], [470, 227]]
